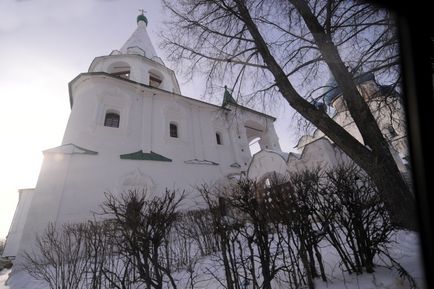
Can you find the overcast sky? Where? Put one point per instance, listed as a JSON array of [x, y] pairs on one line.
[[44, 44]]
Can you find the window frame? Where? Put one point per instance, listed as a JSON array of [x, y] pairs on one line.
[[219, 138], [115, 116], [154, 78], [122, 74], [173, 130]]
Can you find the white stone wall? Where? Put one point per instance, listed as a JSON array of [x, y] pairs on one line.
[[15, 233], [319, 153], [75, 176]]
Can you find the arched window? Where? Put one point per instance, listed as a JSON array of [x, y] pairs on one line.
[[111, 119], [173, 130], [154, 80], [254, 146], [218, 138], [123, 74], [120, 69]]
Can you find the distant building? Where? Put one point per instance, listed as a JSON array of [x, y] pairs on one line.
[[318, 150]]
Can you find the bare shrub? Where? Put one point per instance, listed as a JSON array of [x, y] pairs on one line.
[[142, 224], [290, 202], [59, 257], [354, 217]]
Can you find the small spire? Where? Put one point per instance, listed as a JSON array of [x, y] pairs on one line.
[[142, 17], [228, 98], [139, 42]]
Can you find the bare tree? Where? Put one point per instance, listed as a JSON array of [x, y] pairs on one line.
[[218, 211], [197, 226], [251, 251], [245, 198], [354, 218], [281, 43], [142, 224], [96, 248], [291, 204], [107, 268], [59, 257]]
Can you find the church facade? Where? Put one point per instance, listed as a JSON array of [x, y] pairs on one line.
[[129, 128]]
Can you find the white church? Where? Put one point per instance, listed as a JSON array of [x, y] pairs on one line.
[[130, 127]]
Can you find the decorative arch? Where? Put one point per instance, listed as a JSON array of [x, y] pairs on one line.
[[266, 162], [155, 78], [254, 146], [254, 133], [272, 178], [136, 179], [273, 184], [254, 130], [120, 69]]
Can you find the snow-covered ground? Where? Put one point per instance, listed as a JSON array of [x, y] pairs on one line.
[[404, 248], [4, 274]]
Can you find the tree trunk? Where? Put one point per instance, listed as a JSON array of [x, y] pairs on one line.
[[225, 250], [396, 194], [306, 264], [399, 201], [376, 160]]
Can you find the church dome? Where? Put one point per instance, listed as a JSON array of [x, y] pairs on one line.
[[332, 90], [142, 17], [321, 106]]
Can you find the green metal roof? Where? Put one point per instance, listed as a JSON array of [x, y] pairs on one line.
[[140, 155], [228, 98], [142, 18]]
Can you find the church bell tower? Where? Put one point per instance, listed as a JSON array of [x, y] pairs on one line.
[[109, 100]]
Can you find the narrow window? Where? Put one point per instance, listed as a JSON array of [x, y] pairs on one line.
[[173, 130], [111, 119], [154, 80], [218, 138]]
